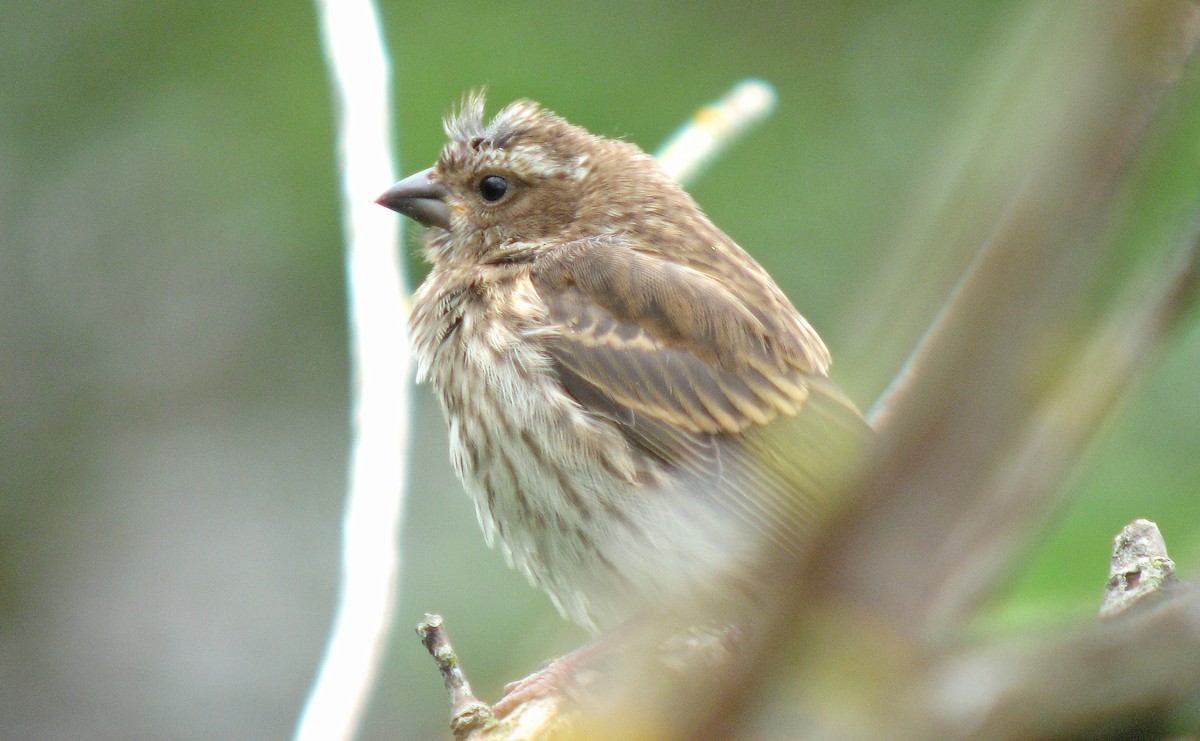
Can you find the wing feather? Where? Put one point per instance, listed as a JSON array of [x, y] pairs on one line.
[[736, 403]]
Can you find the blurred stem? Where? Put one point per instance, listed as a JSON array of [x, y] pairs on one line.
[[1028, 487], [714, 128], [380, 359], [994, 360], [976, 385]]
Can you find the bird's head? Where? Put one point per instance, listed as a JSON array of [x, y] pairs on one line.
[[528, 181]]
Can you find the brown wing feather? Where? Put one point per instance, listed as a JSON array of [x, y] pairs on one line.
[[669, 341], [694, 378]]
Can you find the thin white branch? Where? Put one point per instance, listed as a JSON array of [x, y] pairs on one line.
[[715, 127], [380, 359]]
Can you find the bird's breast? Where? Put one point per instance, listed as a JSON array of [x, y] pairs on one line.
[[554, 486]]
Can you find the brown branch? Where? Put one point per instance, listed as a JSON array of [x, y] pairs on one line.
[[1136, 674], [1132, 673], [1120, 674]]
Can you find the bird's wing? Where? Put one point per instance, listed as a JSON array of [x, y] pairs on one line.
[[711, 386]]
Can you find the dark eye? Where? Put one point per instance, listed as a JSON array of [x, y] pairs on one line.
[[493, 187]]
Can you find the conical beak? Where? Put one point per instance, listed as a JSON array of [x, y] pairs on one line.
[[419, 197]]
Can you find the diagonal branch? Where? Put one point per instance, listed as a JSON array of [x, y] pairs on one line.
[[1027, 487], [990, 365], [980, 379]]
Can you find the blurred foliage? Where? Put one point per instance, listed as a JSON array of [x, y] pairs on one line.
[[174, 397]]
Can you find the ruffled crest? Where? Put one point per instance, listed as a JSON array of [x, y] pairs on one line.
[[466, 124]]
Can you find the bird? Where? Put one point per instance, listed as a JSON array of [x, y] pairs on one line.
[[640, 415]]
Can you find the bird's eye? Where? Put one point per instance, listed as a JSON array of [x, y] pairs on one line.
[[493, 187]]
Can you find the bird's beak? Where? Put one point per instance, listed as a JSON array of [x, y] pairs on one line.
[[421, 197]]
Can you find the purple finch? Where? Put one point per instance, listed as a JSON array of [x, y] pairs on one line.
[[637, 410]]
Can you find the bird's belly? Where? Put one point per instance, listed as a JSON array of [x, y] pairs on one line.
[[604, 532]]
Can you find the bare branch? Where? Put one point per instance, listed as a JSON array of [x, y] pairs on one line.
[[990, 365]]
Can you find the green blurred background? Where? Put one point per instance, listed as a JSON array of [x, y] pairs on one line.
[[174, 401]]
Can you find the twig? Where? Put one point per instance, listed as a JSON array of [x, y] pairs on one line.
[[467, 713], [380, 359], [1140, 569]]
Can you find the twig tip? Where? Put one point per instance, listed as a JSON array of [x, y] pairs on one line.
[[1140, 567]]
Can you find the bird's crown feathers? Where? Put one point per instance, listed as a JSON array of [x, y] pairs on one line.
[[520, 117], [523, 132]]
